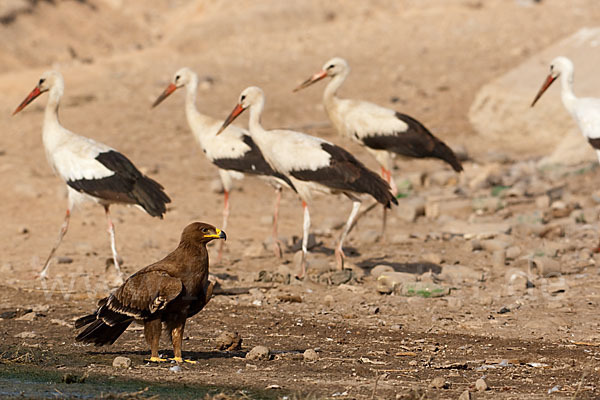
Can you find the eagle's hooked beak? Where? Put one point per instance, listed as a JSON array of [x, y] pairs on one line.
[[219, 234]]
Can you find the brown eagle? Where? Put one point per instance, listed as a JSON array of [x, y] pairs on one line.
[[168, 291]]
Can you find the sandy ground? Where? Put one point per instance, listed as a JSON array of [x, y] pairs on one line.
[[508, 245]]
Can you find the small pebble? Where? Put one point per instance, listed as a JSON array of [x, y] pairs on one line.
[[229, 341], [310, 355], [26, 335], [175, 368], [466, 395], [513, 252], [439, 383], [499, 259], [258, 353], [121, 362], [26, 317], [481, 385]]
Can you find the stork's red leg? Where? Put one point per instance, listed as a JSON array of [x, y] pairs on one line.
[[305, 233], [63, 230], [113, 243], [276, 242], [339, 251], [224, 225]]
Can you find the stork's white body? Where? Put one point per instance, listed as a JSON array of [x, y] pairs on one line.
[[358, 120], [73, 157], [384, 132], [228, 144], [585, 111], [313, 165], [92, 171], [232, 151]]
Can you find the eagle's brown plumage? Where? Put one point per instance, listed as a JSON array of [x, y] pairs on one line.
[[168, 291]]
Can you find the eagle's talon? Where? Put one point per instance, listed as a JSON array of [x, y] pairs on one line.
[[155, 360], [181, 360]]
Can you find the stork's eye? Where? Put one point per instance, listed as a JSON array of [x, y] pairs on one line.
[[243, 97], [177, 78], [330, 66], [41, 82]]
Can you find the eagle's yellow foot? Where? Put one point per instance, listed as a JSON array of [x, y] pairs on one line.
[[155, 359], [180, 360]]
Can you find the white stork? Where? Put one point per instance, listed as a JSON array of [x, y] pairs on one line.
[[585, 111], [312, 165], [234, 152], [384, 132], [91, 170]]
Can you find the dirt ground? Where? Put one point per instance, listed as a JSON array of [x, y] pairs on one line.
[[505, 247]]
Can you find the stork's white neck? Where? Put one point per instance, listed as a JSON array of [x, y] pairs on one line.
[[567, 95], [329, 96], [51, 112], [197, 121], [256, 110]]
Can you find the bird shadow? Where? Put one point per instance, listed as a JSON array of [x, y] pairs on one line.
[[315, 246], [416, 268], [194, 355]]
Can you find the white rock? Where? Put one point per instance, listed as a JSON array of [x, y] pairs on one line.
[[481, 385], [392, 281], [258, 353], [457, 274], [380, 269], [30, 316], [121, 362], [499, 259], [26, 335], [310, 355]]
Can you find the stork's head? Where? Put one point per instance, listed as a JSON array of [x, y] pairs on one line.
[[48, 80], [334, 67], [250, 96], [558, 66], [181, 78]]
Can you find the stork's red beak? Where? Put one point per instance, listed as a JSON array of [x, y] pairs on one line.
[[170, 89], [234, 114], [315, 78], [546, 85], [34, 93]]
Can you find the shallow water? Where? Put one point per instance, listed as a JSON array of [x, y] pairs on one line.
[[27, 382]]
